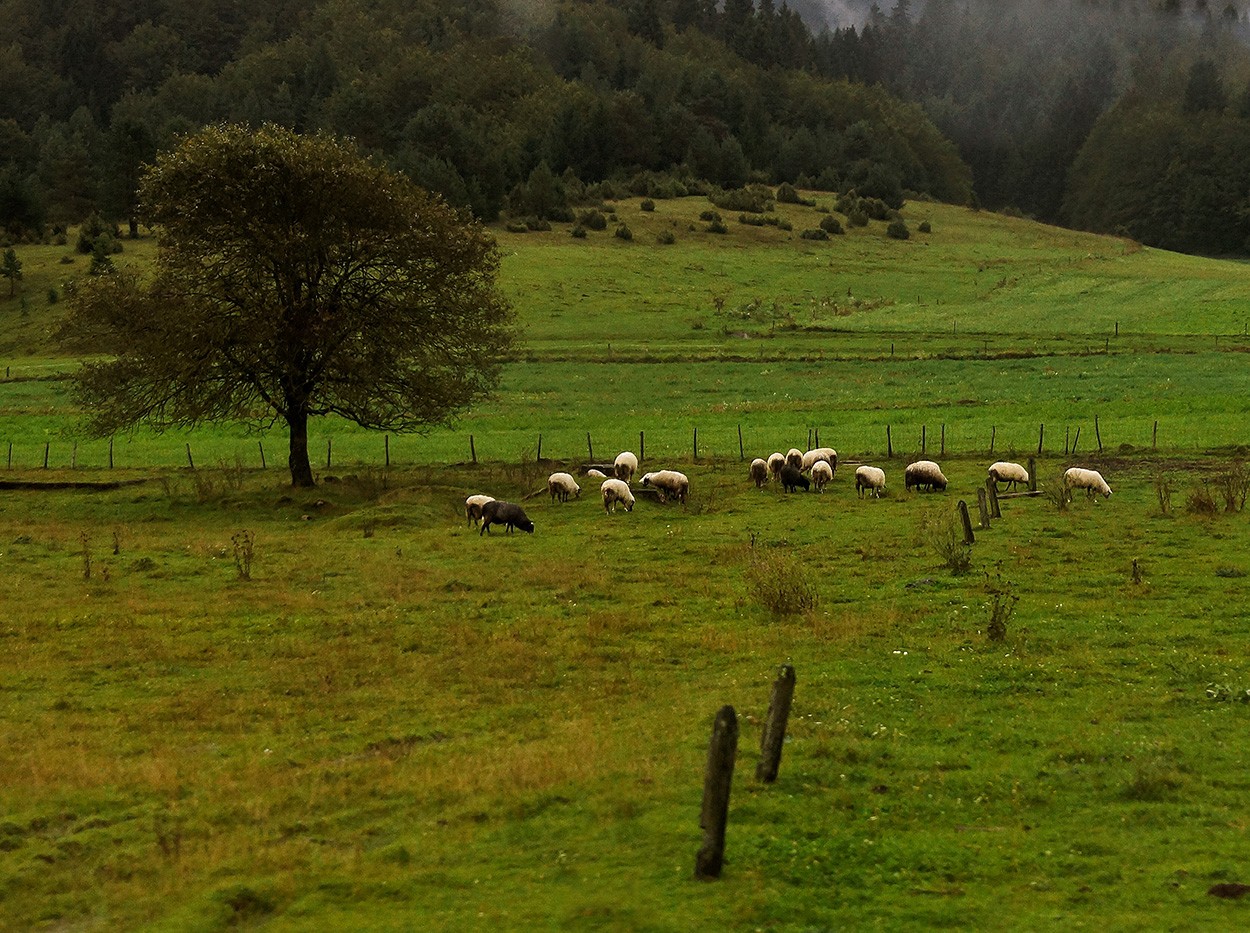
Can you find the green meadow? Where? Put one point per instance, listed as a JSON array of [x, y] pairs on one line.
[[225, 703]]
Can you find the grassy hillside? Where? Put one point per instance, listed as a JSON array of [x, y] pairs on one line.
[[226, 703]]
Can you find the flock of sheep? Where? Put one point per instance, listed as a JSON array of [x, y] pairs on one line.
[[789, 469]]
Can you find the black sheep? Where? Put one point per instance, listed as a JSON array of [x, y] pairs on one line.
[[508, 514], [792, 479]]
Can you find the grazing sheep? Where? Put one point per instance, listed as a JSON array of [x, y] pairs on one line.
[[870, 478], [562, 485], [473, 508], [822, 473], [759, 472], [817, 454], [614, 491], [794, 457], [625, 465], [668, 483], [792, 479], [924, 474], [775, 463], [1010, 473], [508, 514], [1089, 480], [596, 474]]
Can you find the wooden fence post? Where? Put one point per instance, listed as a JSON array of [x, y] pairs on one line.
[[717, 778], [1067, 431], [590, 449], [943, 453], [696, 443], [473, 450], [538, 458], [991, 491], [983, 507], [73, 457], [10, 455], [329, 450], [46, 445], [966, 520], [110, 453], [889, 447], [809, 438], [924, 428], [642, 448], [741, 451], [1032, 475], [1076, 440], [1154, 437], [774, 734], [818, 437], [993, 432], [1041, 433], [190, 462], [1097, 434], [261, 445], [386, 448]]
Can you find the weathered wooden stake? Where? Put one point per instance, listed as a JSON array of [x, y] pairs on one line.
[[73, 457], [110, 453], [991, 490], [818, 437], [590, 449], [1032, 475], [774, 734], [1154, 436], [943, 453], [717, 778], [642, 448], [261, 445], [966, 520], [1041, 433], [329, 450], [539, 456], [190, 462], [809, 438], [742, 455], [696, 443], [10, 455], [1076, 440], [45, 453], [889, 448], [386, 448], [473, 450], [924, 428], [1117, 328], [993, 433], [1097, 434], [983, 508]]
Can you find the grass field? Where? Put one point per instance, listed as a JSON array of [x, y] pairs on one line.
[[227, 703]]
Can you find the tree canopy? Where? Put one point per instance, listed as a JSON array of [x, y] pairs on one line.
[[294, 278]]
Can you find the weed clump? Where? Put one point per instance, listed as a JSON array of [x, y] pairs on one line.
[[947, 540], [779, 582], [1001, 604]]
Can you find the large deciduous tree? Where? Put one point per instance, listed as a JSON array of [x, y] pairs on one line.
[[294, 278]]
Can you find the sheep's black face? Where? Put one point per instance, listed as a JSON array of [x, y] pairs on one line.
[[526, 525]]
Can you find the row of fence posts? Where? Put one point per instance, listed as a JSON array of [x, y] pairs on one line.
[[722, 753], [813, 440]]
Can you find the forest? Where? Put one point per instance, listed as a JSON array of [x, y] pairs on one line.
[[1123, 116]]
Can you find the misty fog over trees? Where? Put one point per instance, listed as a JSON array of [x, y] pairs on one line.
[[1127, 116]]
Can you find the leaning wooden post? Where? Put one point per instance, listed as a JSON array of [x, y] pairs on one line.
[[261, 445], [110, 453], [993, 432], [742, 454], [991, 492], [717, 778], [538, 458], [1041, 433], [590, 449], [1076, 440], [966, 520], [472, 450], [46, 446], [889, 448], [774, 734], [983, 507], [1032, 475], [190, 462], [1097, 434], [1154, 437]]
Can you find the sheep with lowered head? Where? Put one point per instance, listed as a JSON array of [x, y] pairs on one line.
[[871, 478], [508, 514], [1006, 472], [669, 483], [816, 455], [792, 479], [614, 491], [592, 473], [1089, 480], [561, 486], [775, 462], [473, 508], [794, 457], [822, 473], [759, 472], [924, 474], [625, 465]]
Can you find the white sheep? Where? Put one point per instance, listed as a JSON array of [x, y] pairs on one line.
[[871, 478], [1010, 473], [759, 472], [614, 491], [794, 457], [924, 474], [669, 483], [473, 508], [817, 454], [1089, 480], [625, 465], [561, 486], [775, 462], [596, 474], [822, 473]]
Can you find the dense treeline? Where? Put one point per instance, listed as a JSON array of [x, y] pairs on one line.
[[1069, 110], [470, 99]]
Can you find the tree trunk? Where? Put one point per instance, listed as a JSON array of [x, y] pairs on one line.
[[301, 471]]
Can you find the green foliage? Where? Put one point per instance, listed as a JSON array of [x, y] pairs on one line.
[[11, 269], [780, 582], [924, 227], [814, 233], [592, 220], [831, 224], [897, 230], [754, 199], [623, 232], [647, 205]]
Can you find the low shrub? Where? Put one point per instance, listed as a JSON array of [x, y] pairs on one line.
[[592, 220], [665, 238], [924, 227], [814, 234], [754, 199], [897, 230], [647, 205], [717, 226], [623, 233], [831, 224], [779, 581]]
